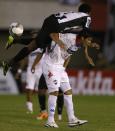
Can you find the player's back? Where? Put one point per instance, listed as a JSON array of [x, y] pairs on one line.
[[69, 16], [70, 22]]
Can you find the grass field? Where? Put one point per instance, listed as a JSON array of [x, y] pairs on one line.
[[98, 110]]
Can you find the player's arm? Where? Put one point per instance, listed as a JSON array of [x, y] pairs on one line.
[[55, 37], [67, 62], [36, 61], [87, 43], [90, 61]]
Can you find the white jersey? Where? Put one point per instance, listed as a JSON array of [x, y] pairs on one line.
[[32, 57], [57, 56], [53, 69]]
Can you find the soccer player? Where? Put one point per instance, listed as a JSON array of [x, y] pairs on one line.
[[32, 80], [62, 22], [54, 72], [37, 80]]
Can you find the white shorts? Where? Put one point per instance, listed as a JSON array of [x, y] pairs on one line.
[[32, 79], [55, 78]]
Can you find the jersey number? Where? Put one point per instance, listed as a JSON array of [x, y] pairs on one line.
[[60, 16], [88, 22]]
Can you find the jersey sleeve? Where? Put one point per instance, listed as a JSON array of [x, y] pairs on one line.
[[86, 27]]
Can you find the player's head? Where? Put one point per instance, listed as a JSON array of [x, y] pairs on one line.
[[85, 8]]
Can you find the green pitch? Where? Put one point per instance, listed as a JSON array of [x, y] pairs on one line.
[[98, 110]]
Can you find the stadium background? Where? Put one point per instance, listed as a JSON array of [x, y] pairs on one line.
[[31, 14], [94, 88]]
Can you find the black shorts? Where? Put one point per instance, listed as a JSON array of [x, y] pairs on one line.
[[42, 83], [50, 25]]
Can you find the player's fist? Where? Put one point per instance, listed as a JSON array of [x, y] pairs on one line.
[[33, 69]]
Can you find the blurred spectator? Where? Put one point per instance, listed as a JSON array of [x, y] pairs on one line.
[[113, 15], [70, 2], [109, 47]]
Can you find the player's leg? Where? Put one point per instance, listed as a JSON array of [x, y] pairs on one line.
[[42, 37], [29, 103], [53, 84], [65, 86], [30, 83], [60, 103], [42, 92], [22, 40], [51, 109], [21, 54], [42, 41], [73, 120]]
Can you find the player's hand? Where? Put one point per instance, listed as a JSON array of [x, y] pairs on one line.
[[95, 45], [33, 69], [91, 62], [61, 45]]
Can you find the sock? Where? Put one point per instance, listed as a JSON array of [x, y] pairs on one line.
[[29, 106], [42, 101], [51, 107], [60, 102], [69, 106], [59, 117]]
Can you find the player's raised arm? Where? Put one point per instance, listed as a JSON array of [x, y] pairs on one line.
[[87, 43]]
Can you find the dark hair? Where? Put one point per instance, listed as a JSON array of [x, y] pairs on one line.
[[84, 8]]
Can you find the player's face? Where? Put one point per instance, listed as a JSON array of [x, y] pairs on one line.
[[88, 41]]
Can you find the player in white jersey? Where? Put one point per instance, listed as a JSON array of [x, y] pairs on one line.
[[54, 71], [32, 80]]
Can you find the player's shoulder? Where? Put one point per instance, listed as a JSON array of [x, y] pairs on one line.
[[81, 14]]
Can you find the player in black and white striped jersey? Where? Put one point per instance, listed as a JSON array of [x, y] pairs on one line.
[[62, 22], [55, 62]]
